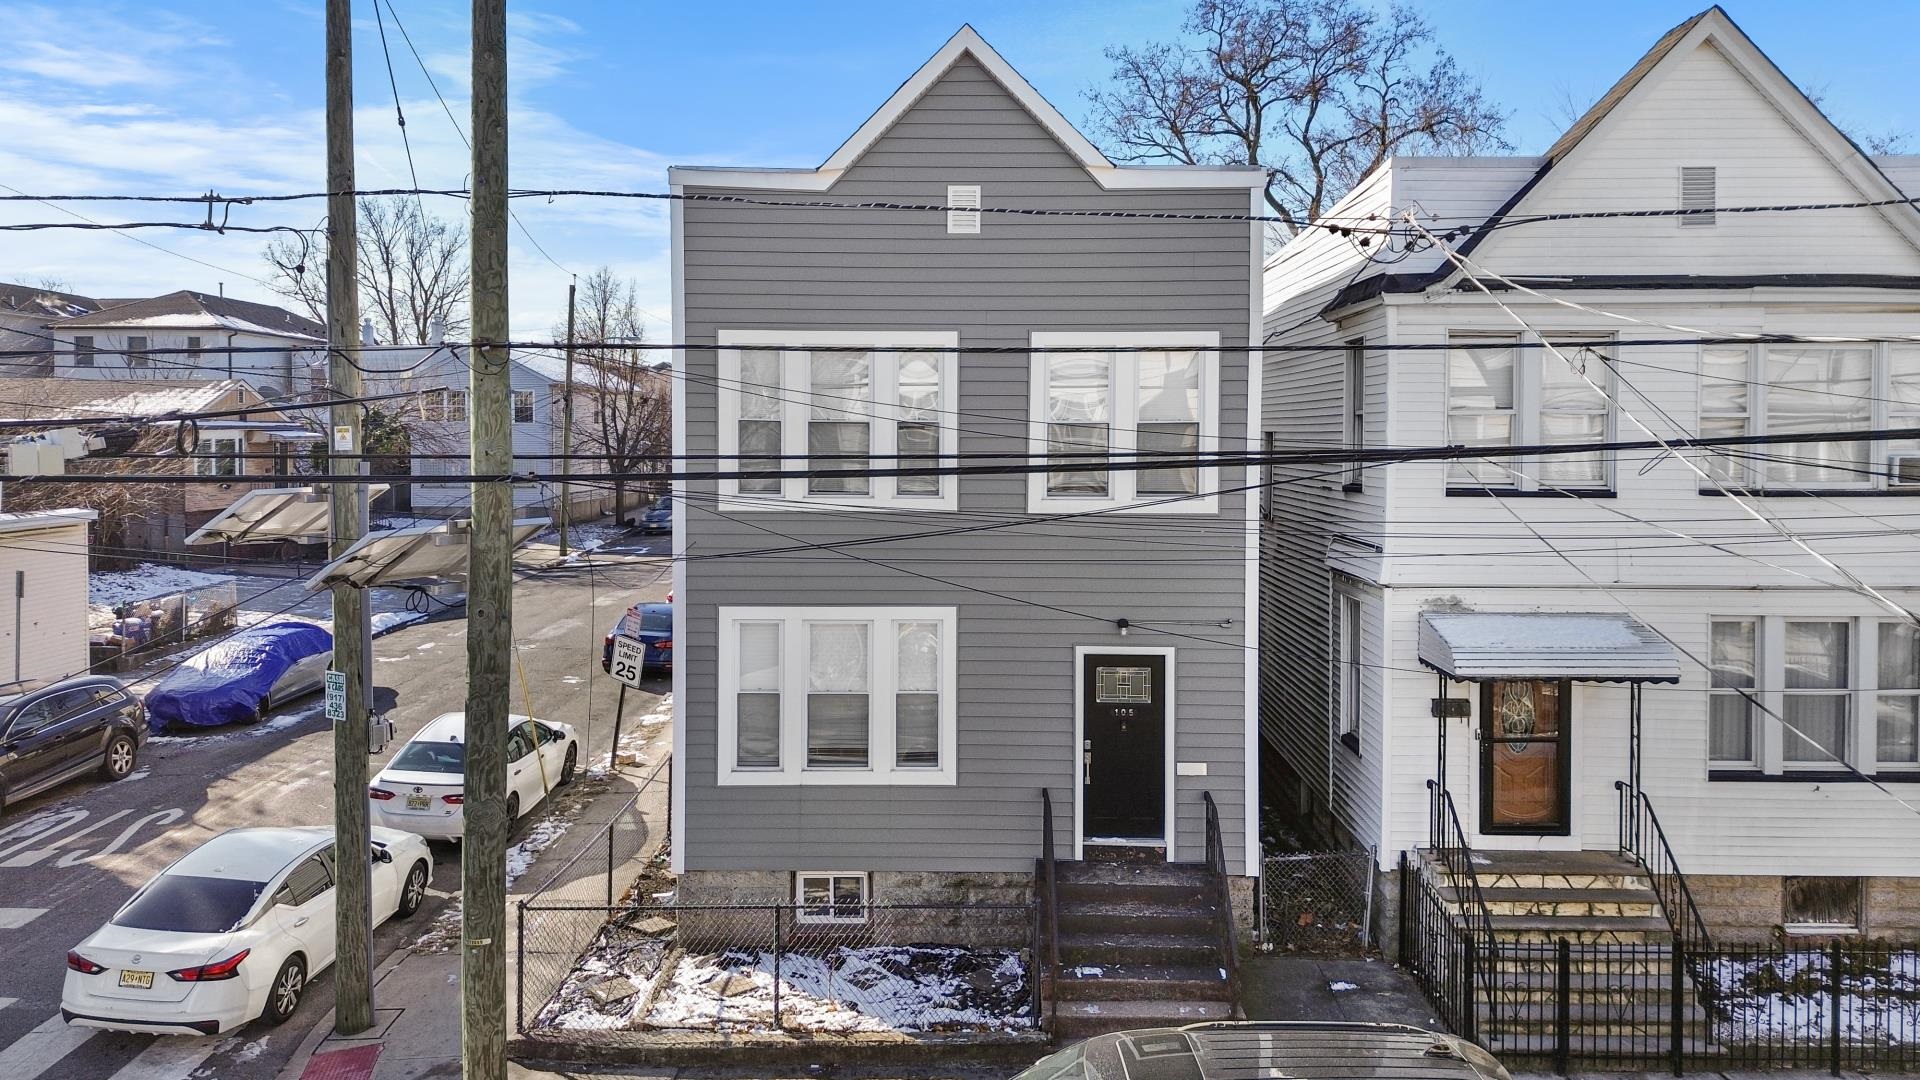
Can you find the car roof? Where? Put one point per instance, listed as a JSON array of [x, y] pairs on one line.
[[1252, 1049], [650, 607], [452, 727], [252, 854], [14, 691]]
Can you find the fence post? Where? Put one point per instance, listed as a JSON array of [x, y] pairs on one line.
[[611, 826], [1676, 1008], [1469, 1014], [1408, 916], [777, 944], [520, 971], [1563, 1009], [1834, 954]]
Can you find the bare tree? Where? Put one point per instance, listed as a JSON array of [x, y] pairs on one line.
[[413, 271], [1316, 91], [624, 410], [121, 505], [1892, 140]]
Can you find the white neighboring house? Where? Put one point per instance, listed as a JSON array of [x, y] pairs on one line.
[[268, 347], [437, 419], [1789, 815], [43, 565]]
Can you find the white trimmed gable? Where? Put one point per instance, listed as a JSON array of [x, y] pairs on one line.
[[1712, 99]]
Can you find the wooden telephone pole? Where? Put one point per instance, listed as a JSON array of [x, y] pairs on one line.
[[353, 905], [566, 435], [483, 862]]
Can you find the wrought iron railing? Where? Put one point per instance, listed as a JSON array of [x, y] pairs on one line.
[[1642, 838], [1223, 918], [1046, 881], [1449, 846]]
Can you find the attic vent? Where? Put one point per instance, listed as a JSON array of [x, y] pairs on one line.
[[1696, 193], [963, 221]]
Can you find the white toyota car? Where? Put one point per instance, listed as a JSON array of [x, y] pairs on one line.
[[423, 789], [230, 932]]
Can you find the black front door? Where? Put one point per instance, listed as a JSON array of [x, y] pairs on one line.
[[1124, 707]]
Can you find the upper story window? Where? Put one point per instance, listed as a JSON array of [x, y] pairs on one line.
[[839, 406], [1092, 409], [1499, 394], [218, 455], [137, 352], [83, 350], [523, 406], [193, 349], [1791, 694], [1786, 389], [1354, 414], [829, 695], [444, 406]]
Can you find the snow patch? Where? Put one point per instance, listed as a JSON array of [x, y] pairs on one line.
[[115, 587], [1340, 986], [384, 621], [140, 773], [281, 722]]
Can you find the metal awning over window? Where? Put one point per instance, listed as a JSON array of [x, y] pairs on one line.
[[1596, 647]]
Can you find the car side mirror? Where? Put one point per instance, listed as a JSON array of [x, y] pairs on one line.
[[382, 855]]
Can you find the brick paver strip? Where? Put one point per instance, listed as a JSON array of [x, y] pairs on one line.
[[355, 1063]]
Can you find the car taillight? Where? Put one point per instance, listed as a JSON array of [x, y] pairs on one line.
[[379, 794], [83, 965], [453, 800], [663, 644], [225, 969]]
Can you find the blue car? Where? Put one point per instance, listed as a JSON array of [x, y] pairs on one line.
[[650, 623], [658, 517], [242, 676]]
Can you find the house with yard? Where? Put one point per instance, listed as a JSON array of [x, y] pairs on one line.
[[949, 687], [228, 455], [1615, 695], [192, 336]]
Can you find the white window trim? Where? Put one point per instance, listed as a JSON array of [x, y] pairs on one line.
[[205, 461], [533, 406], [1124, 407], [796, 404], [1881, 414], [799, 888], [1352, 629], [1170, 823], [1529, 360], [880, 767], [1353, 430]]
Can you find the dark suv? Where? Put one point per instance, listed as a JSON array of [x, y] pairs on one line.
[[53, 732]]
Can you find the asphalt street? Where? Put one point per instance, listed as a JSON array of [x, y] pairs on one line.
[[70, 857]]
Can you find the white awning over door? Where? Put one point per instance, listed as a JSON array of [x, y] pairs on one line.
[[1480, 646]]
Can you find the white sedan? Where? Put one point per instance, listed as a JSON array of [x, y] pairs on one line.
[[423, 789], [232, 931]]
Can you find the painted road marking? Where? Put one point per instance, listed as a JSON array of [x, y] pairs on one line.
[[4, 1002], [42, 1048], [17, 845], [13, 918], [169, 1058]]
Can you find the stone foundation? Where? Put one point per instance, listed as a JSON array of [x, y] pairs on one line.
[[1748, 908], [895, 920]]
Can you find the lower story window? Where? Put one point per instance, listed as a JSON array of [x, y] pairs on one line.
[[833, 695], [1821, 904], [820, 897]]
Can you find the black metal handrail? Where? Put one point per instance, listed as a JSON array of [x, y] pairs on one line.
[[1449, 845], [1046, 877], [1217, 864], [1642, 838]]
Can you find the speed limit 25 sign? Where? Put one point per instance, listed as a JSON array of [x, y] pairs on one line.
[[629, 657]]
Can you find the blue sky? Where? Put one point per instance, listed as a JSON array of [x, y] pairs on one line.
[[159, 96]]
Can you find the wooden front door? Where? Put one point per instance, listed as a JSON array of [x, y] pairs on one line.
[[1124, 756], [1525, 762]]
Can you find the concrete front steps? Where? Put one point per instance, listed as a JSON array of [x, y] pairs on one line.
[[1139, 946], [1620, 972]]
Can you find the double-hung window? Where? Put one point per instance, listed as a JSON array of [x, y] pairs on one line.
[[218, 455], [1152, 405], [444, 406], [137, 356], [1897, 712], [830, 695], [1734, 649], [1355, 411], [523, 406], [1349, 697], [83, 350], [1818, 660], [863, 418], [1816, 390], [1500, 394]]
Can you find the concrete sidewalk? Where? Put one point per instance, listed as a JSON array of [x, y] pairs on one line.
[[1316, 988], [416, 1032]]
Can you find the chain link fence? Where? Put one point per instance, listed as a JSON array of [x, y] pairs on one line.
[[826, 968], [1318, 902]]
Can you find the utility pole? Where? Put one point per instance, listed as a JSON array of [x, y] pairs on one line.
[[353, 905], [566, 435], [483, 855]]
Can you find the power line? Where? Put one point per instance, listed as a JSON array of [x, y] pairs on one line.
[[399, 114]]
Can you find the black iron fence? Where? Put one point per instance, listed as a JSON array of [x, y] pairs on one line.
[[832, 967], [1662, 1005]]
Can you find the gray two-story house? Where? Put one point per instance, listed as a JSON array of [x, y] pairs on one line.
[[889, 658]]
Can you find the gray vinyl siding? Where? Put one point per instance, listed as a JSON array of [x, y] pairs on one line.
[[755, 268]]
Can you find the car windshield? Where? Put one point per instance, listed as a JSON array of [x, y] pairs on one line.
[[191, 905], [440, 757]]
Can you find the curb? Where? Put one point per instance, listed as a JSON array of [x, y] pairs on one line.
[[796, 1051], [322, 1031]]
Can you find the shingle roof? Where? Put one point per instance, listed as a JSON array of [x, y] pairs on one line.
[[186, 308], [55, 398], [51, 303]]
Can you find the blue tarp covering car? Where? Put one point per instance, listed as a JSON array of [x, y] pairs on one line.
[[233, 680]]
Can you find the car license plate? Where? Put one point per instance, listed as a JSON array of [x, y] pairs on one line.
[[137, 980], [418, 802]]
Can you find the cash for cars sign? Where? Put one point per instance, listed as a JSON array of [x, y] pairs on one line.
[[629, 659], [336, 697]]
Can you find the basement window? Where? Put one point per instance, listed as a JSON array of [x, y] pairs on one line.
[[830, 897], [1821, 905]]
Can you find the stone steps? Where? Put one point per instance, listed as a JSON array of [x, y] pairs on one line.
[[1540, 900], [1135, 980], [1592, 929], [1079, 1019]]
